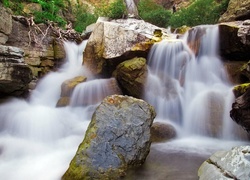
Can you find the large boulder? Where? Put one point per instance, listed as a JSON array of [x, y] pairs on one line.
[[236, 10], [233, 164], [235, 40], [5, 25], [132, 75], [118, 138], [240, 112], [112, 42], [15, 75]]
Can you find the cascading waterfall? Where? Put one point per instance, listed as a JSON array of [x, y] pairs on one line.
[[38, 141], [188, 86]]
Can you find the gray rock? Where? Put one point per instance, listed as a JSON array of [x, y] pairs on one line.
[[5, 25], [233, 164], [117, 138], [15, 75]]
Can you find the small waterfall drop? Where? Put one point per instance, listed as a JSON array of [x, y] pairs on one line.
[[38, 140], [188, 85]]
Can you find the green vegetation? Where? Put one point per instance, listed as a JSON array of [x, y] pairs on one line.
[[153, 13], [114, 10], [83, 18], [199, 12]]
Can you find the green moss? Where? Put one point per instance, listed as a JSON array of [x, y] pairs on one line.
[[241, 88]]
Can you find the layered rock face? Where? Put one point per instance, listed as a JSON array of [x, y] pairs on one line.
[[15, 75], [5, 25], [233, 164], [43, 52], [118, 137], [237, 10]]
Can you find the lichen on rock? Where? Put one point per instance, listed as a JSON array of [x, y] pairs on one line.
[[118, 137]]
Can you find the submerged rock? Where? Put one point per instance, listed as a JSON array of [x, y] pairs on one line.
[[118, 137], [233, 164], [162, 132]]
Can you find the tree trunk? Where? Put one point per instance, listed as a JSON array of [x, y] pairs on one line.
[[132, 8]]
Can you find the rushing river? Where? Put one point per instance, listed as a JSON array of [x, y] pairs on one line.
[[188, 88]]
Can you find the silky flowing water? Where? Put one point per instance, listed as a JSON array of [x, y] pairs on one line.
[[188, 88]]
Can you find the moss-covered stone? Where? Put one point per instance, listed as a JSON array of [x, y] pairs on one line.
[[118, 137], [240, 89], [131, 75], [68, 86]]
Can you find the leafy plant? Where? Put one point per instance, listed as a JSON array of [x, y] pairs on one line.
[[200, 12], [114, 10], [83, 18], [153, 13]]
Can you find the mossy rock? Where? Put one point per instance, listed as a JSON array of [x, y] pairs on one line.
[[131, 75], [118, 138], [240, 89]]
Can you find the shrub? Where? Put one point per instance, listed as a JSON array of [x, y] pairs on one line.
[[83, 18], [199, 12], [115, 10], [153, 13]]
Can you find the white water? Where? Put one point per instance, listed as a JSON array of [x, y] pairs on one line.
[[191, 91], [38, 141]]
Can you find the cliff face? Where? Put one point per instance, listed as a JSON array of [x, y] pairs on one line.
[[237, 10]]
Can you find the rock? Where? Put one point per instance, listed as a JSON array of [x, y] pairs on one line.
[[236, 71], [15, 75], [63, 101], [235, 40], [236, 10], [240, 110], [239, 90], [233, 164], [67, 89], [112, 42], [94, 91], [5, 25], [132, 75], [162, 132], [118, 138], [68, 86], [43, 53], [30, 8]]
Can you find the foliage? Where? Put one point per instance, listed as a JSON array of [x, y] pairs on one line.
[[14, 5], [83, 18], [199, 12], [153, 13], [114, 10], [50, 11]]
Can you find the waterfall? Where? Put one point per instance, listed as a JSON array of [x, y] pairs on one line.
[[188, 86], [38, 140]]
